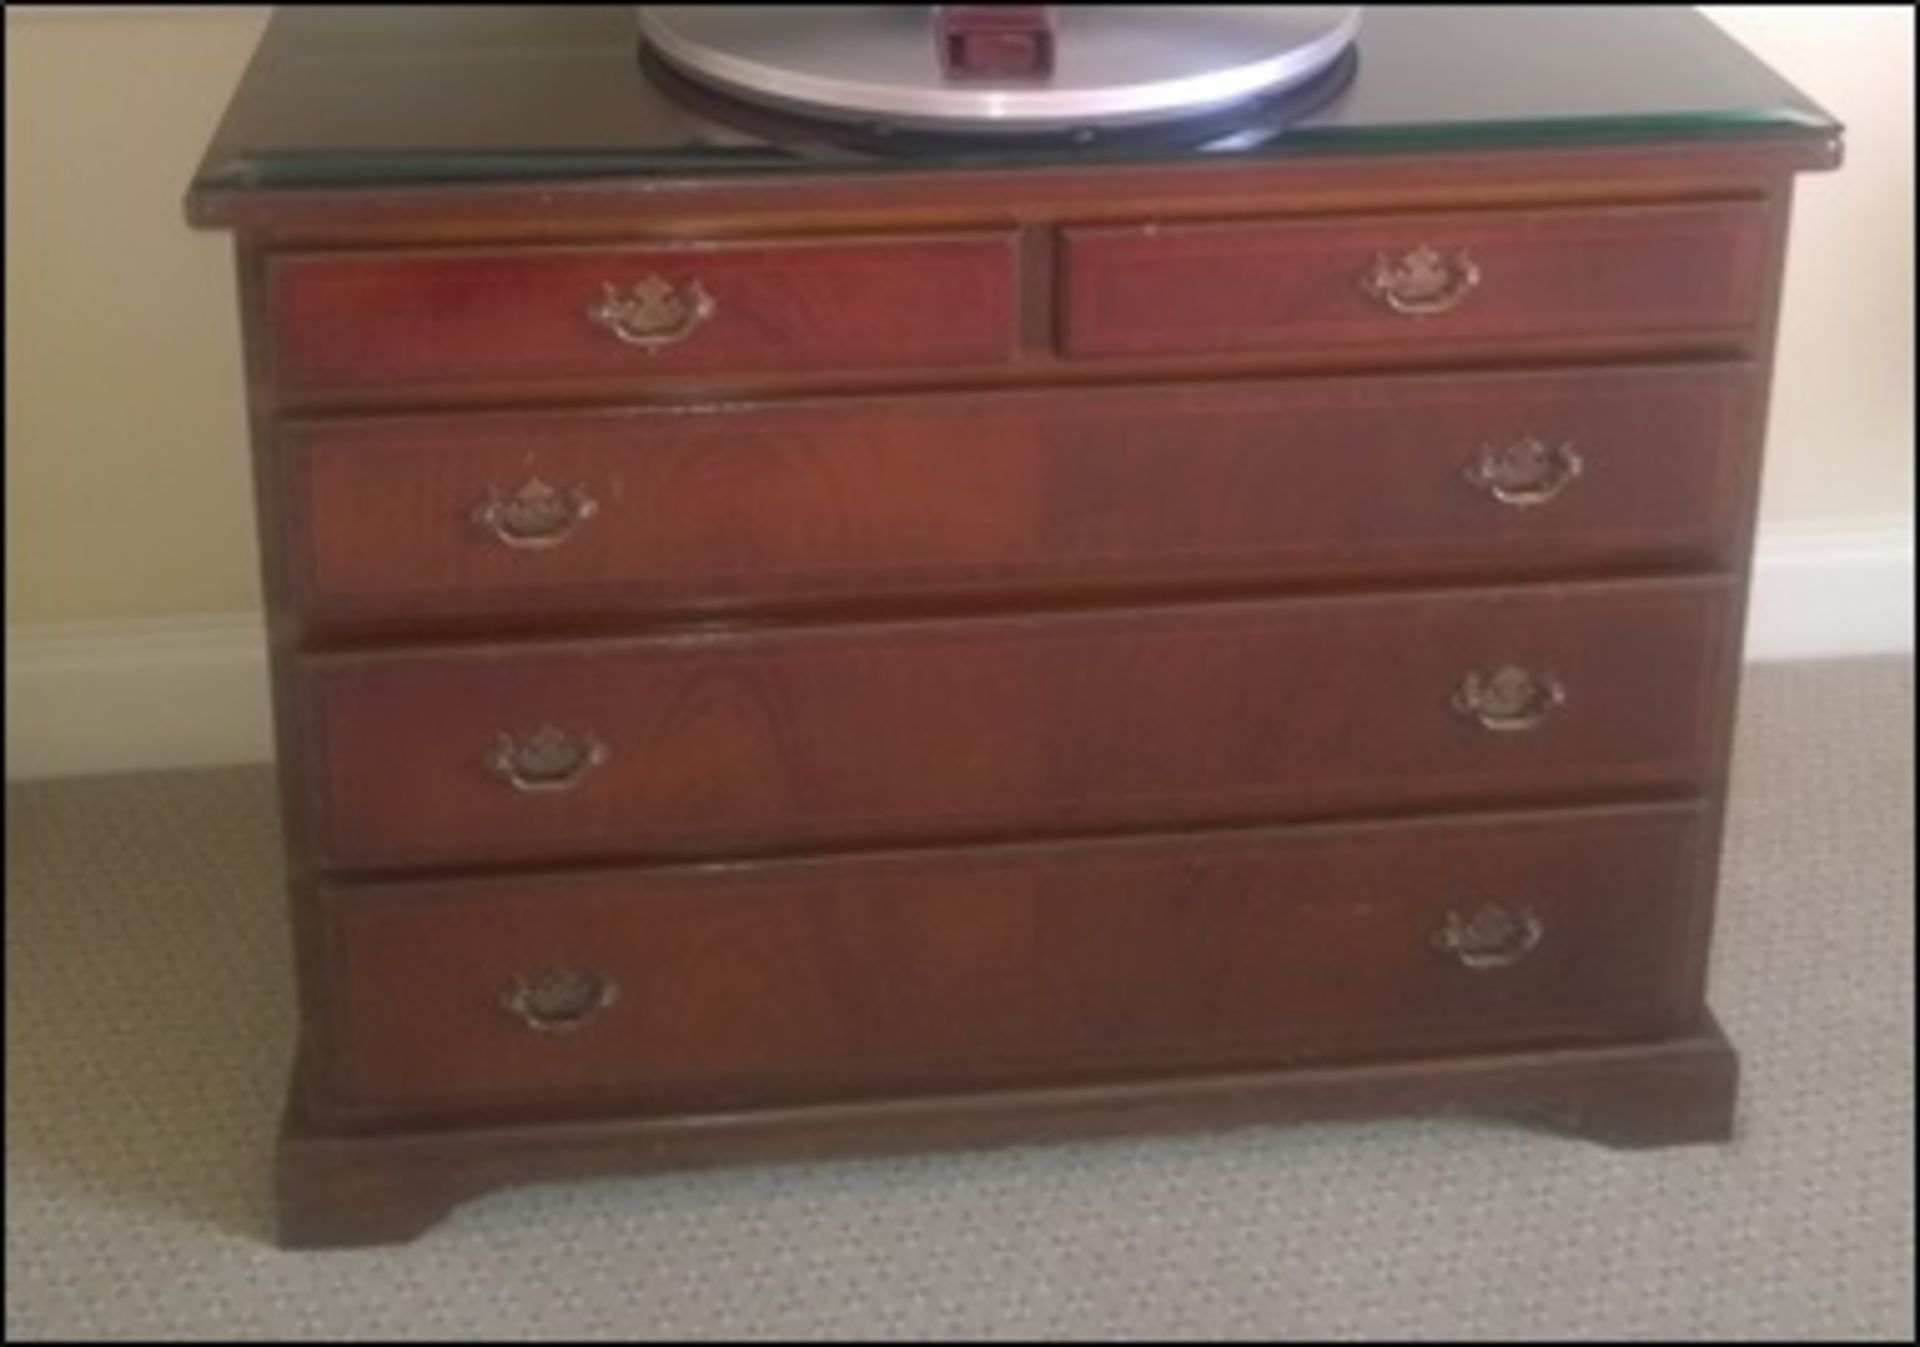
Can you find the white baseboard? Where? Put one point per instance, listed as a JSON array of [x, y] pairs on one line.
[[138, 696], [87, 697], [1831, 593]]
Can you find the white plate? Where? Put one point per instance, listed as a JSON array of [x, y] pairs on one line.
[[1114, 65]]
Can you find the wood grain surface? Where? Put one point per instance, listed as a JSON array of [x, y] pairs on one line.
[[748, 740], [1646, 270], [761, 983], [729, 508], [471, 317], [1023, 623]]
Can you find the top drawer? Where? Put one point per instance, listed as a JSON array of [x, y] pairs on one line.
[[472, 317], [1414, 282]]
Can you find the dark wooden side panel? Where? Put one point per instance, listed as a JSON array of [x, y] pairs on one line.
[[725, 506], [1648, 270], [466, 318], [728, 739], [754, 983]]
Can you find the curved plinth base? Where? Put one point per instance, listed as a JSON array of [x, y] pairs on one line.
[[357, 1189]]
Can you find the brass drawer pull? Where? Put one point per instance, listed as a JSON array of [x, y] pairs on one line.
[[1421, 282], [1526, 472], [536, 516], [1491, 936], [1512, 699], [560, 1000], [653, 314], [547, 760]]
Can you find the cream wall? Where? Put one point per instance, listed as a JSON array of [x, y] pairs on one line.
[[1840, 446], [127, 490], [127, 486]]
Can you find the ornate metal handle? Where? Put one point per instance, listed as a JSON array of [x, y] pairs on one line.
[[1526, 472], [1421, 282], [560, 1000], [652, 314], [547, 760], [536, 516], [1491, 936], [1511, 699]]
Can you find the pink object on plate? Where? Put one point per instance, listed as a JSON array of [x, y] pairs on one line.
[[995, 41]]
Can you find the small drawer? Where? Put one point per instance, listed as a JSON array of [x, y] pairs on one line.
[[716, 507], [1440, 283], [517, 319], [763, 983], [724, 741]]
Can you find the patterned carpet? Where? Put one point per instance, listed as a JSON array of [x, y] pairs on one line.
[[149, 1018]]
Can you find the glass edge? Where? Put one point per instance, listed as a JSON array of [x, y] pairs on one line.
[[296, 170]]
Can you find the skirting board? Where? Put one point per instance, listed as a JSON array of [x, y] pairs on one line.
[[86, 698], [90, 697]]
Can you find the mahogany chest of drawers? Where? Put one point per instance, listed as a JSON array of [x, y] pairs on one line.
[[832, 654]]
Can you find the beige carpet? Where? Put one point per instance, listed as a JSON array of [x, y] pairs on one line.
[[148, 1023]]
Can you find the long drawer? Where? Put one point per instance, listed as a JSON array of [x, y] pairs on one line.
[[706, 985], [725, 741], [1409, 283], [464, 319], [726, 506]]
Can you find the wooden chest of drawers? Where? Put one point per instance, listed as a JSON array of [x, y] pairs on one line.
[[770, 665]]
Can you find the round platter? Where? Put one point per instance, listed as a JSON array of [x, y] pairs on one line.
[[1115, 65]]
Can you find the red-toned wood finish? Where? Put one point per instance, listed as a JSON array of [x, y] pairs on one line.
[[1508, 278], [340, 1186], [767, 739], [941, 970], [1023, 616], [471, 317], [730, 507]]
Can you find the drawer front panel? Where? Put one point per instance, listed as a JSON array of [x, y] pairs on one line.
[[465, 319], [1418, 282], [843, 498], [714, 742], [747, 983]]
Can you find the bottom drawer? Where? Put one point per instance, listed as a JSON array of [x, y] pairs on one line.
[[718, 985]]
